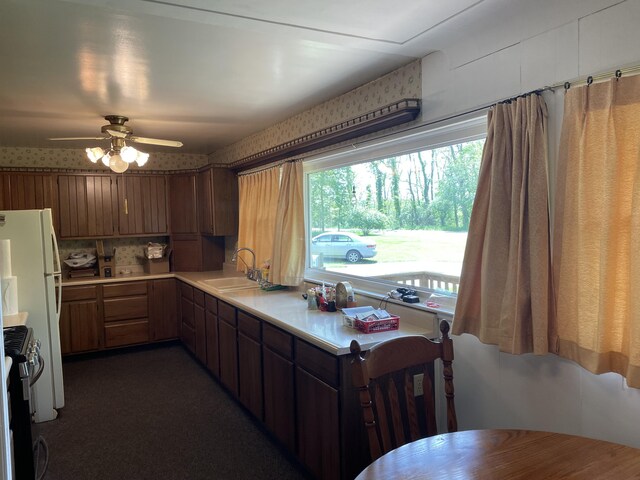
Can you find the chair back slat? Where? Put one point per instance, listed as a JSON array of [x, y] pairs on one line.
[[447, 373], [429, 405], [386, 373], [396, 419], [412, 413], [383, 423]]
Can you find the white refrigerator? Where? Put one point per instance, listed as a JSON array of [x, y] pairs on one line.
[[35, 261]]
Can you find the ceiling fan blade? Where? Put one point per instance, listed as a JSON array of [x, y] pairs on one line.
[[79, 138], [155, 141]]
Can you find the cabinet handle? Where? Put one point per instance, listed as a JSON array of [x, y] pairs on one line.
[[126, 206]]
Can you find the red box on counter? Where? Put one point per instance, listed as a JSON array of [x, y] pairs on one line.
[[377, 325]]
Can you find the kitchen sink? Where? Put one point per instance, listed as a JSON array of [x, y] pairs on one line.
[[230, 284]]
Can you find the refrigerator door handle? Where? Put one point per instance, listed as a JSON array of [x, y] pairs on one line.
[[57, 266], [57, 281]]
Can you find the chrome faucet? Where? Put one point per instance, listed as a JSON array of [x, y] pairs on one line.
[[252, 272]]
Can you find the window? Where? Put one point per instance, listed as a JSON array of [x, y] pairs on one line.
[[394, 212]]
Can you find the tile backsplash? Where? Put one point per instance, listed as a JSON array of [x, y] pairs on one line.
[[129, 251]]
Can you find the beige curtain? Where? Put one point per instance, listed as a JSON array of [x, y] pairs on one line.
[[597, 229], [288, 247], [258, 199], [504, 297]]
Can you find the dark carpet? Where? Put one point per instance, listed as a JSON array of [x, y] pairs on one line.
[[155, 414]]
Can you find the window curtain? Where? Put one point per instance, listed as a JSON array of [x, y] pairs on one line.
[[258, 200], [287, 267], [597, 229], [505, 285]]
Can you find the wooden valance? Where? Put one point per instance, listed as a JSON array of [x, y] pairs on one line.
[[397, 113]]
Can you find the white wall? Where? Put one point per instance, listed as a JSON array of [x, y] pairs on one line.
[[496, 390]]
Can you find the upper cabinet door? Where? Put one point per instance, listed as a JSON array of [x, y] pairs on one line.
[[218, 201], [30, 191], [86, 206], [182, 203], [142, 205]]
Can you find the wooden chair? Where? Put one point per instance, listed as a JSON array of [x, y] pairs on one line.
[[384, 377]]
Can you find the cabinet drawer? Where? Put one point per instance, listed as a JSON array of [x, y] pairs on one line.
[[211, 304], [249, 325], [227, 312], [277, 340], [126, 333], [318, 362], [198, 297], [84, 292], [125, 308], [186, 291], [124, 289]]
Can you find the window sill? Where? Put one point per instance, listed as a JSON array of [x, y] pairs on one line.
[[378, 292]]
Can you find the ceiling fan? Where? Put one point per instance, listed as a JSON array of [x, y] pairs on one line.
[[119, 156]]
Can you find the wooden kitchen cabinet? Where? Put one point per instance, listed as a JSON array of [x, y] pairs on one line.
[[187, 313], [126, 313], [5, 191], [218, 201], [199, 326], [86, 206], [250, 363], [317, 410], [211, 327], [279, 384], [80, 322], [228, 346], [142, 205], [163, 310], [27, 191], [183, 203]]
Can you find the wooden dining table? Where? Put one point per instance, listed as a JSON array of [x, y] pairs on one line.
[[506, 454]]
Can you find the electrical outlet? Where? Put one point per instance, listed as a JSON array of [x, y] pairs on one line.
[[418, 387]]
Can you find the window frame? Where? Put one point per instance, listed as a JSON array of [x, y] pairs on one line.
[[460, 130]]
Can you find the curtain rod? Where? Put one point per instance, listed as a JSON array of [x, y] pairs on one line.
[[588, 80], [267, 167]]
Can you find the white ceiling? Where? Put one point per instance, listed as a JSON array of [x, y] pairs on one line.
[[205, 72]]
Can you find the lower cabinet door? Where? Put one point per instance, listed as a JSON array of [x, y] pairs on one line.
[[318, 425], [201, 336], [79, 327], [213, 357], [279, 395], [228, 349], [188, 337], [250, 374]]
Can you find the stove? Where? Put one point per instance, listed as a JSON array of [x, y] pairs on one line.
[[26, 368], [16, 342]]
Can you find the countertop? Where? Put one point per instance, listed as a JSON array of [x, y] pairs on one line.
[[288, 310]]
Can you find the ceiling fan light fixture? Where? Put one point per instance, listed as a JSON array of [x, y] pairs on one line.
[[117, 164], [95, 154], [142, 158], [105, 160], [129, 154]]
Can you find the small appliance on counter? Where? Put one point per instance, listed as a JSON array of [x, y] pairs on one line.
[[106, 261], [345, 298]]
